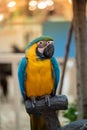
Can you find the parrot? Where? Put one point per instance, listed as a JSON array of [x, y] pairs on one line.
[[39, 74]]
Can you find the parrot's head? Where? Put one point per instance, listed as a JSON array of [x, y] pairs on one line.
[[45, 46]]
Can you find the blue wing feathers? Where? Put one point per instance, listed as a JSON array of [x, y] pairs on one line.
[[56, 72], [22, 75]]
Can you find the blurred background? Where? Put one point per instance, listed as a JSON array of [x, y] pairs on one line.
[[20, 22]]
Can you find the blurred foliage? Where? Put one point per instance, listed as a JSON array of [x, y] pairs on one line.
[[71, 113]]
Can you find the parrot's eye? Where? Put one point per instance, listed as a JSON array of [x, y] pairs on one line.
[[50, 42], [42, 44]]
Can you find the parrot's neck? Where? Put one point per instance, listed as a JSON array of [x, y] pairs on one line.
[[34, 54], [31, 53]]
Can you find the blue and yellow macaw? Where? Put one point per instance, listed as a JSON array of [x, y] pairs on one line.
[[39, 73]]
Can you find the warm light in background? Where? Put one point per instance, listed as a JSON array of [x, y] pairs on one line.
[[11, 4], [42, 5], [12, 9], [49, 2], [1, 17], [33, 3], [70, 1]]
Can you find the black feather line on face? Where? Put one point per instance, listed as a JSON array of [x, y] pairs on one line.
[[39, 54]]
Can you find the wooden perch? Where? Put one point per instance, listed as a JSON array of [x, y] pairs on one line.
[[59, 102]]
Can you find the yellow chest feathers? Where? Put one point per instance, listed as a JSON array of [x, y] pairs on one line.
[[39, 78]]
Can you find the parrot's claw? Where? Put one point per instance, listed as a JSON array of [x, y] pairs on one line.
[[47, 100], [33, 102], [33, 105]]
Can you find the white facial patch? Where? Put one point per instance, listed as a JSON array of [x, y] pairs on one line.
[[41, 50], [43, 44]]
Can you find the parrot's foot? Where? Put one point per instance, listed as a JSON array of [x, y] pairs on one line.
[[33, 102], [47, 100]]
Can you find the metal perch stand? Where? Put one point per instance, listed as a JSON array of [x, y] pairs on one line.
[[59, 102]]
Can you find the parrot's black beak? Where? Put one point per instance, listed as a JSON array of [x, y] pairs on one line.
[[49, 51]]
